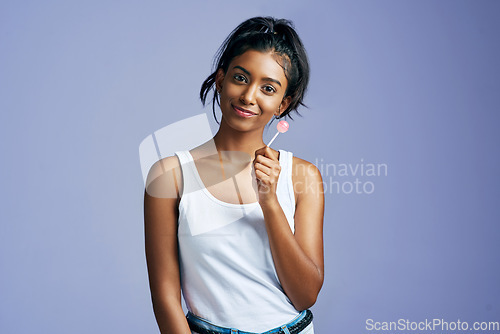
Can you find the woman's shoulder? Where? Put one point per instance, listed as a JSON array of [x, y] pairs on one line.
[[162, 166], [304, 168], [164, 178], [304, 176]]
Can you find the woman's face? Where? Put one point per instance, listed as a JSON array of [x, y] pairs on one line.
[[252, 90]]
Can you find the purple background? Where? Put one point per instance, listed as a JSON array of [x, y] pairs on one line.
[[411, 84]]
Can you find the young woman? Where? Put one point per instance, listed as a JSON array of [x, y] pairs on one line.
[[236, 224]]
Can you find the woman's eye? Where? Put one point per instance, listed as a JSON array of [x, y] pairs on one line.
[[240, 78], [269, 89]]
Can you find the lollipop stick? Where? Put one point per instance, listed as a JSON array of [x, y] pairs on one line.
[[276, 135]]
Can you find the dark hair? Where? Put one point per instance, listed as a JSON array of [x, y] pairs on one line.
[[265, 34]]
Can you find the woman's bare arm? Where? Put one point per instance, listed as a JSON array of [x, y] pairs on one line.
[[161, 199], [298, 257]]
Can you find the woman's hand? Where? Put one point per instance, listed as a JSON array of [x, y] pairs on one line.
[[267, 170]]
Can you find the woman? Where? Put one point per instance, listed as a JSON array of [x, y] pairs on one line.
[[233, 222]]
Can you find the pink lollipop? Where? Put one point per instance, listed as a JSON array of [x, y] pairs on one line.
[[282, 128]]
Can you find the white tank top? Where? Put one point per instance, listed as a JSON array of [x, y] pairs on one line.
[[227, 271]]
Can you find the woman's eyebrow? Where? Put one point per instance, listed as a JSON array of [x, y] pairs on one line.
[[265, 79], [241, 68]]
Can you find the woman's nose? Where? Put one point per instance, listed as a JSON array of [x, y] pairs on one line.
[[248, 95]]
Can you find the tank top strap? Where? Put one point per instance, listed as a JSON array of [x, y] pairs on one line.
[[286, 163], [188, 169]]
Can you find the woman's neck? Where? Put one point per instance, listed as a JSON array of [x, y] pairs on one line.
[[227, 139]]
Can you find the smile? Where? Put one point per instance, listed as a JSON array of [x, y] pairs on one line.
[[243, 112]]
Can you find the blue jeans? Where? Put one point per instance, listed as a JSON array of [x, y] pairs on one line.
[[224, 330]]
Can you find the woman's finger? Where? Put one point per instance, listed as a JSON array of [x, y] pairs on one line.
[[264, 160], [270, 153], [263, 168]]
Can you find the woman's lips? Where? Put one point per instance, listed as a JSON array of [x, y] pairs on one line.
[[243, 112]]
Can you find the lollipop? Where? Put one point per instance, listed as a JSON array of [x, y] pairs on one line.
[[282, 127]]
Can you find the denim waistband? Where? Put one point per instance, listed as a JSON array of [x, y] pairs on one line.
[[202, 326]]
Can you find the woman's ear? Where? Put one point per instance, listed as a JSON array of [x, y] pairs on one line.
[[285, 103], [219, 78]]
